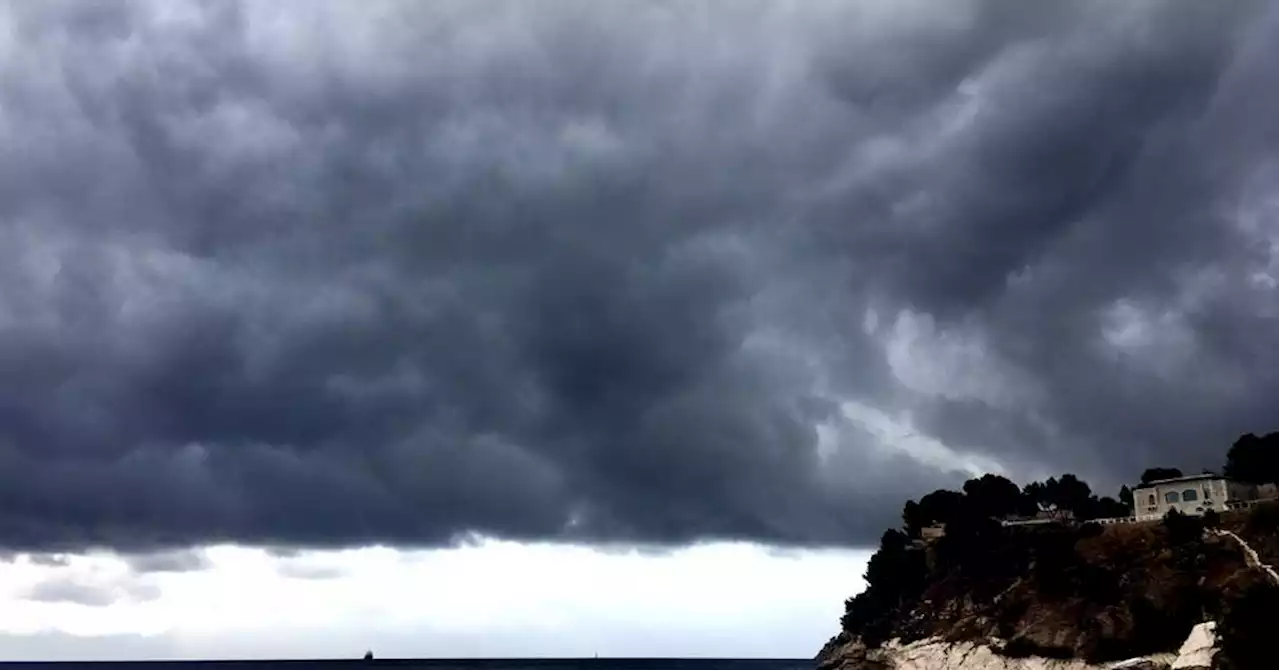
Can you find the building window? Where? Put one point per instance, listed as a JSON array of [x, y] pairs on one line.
[[1171, 497], [1151, 500], [1189, 495]]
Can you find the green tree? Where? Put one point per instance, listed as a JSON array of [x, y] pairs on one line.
[[1068, 493], [912, 518], [1253, 459], [895, 577], [1155, 474], [1126, 496], [1106, 507], [992, 496], [940, 506], [1071, 493], [1035, 495]]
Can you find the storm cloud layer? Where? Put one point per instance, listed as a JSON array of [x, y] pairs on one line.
[[335, 273]]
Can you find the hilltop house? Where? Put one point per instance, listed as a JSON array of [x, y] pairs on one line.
[[1195, 494], [933, 532]]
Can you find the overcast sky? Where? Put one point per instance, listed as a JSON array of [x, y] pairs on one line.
[[662, 309]]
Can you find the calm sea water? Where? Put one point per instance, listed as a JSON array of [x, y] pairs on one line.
[[434, 664]]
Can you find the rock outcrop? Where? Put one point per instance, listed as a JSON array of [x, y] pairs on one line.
[[1162, 595], [847, 653]]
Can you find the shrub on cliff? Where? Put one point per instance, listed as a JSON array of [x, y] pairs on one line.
[[895, 577], [1095, 592], [1247, 630], [1088, 591], [1258, 527], [973, 556], [1262, 519], [1182, 528]]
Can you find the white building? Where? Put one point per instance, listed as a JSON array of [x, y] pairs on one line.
[[1195, 494]]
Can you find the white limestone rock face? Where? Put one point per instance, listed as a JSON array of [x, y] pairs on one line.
[[1196, 654], [937, 655], [1198, 649]]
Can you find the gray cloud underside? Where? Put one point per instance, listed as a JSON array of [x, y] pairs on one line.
[[168, 561], [91, 592], [325, 274]]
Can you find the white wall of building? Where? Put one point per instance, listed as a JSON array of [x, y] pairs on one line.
[[1188, 496]]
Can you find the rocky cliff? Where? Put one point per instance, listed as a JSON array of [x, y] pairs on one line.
[[1068, 596], [1196, 653]]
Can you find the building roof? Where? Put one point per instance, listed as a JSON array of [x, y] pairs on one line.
[[1175, 480]]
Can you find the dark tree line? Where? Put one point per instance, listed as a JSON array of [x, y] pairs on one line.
[[993, 496], [897, 575], [1156, 474], [1252, 459]]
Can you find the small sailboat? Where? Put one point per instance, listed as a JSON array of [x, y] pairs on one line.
[[368, 655]]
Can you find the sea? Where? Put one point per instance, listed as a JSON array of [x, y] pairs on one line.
[[431, 664]]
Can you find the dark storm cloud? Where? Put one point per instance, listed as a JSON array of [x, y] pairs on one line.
[[314, 274]]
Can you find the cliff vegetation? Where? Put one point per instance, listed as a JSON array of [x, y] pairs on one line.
[[1073, 589]]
